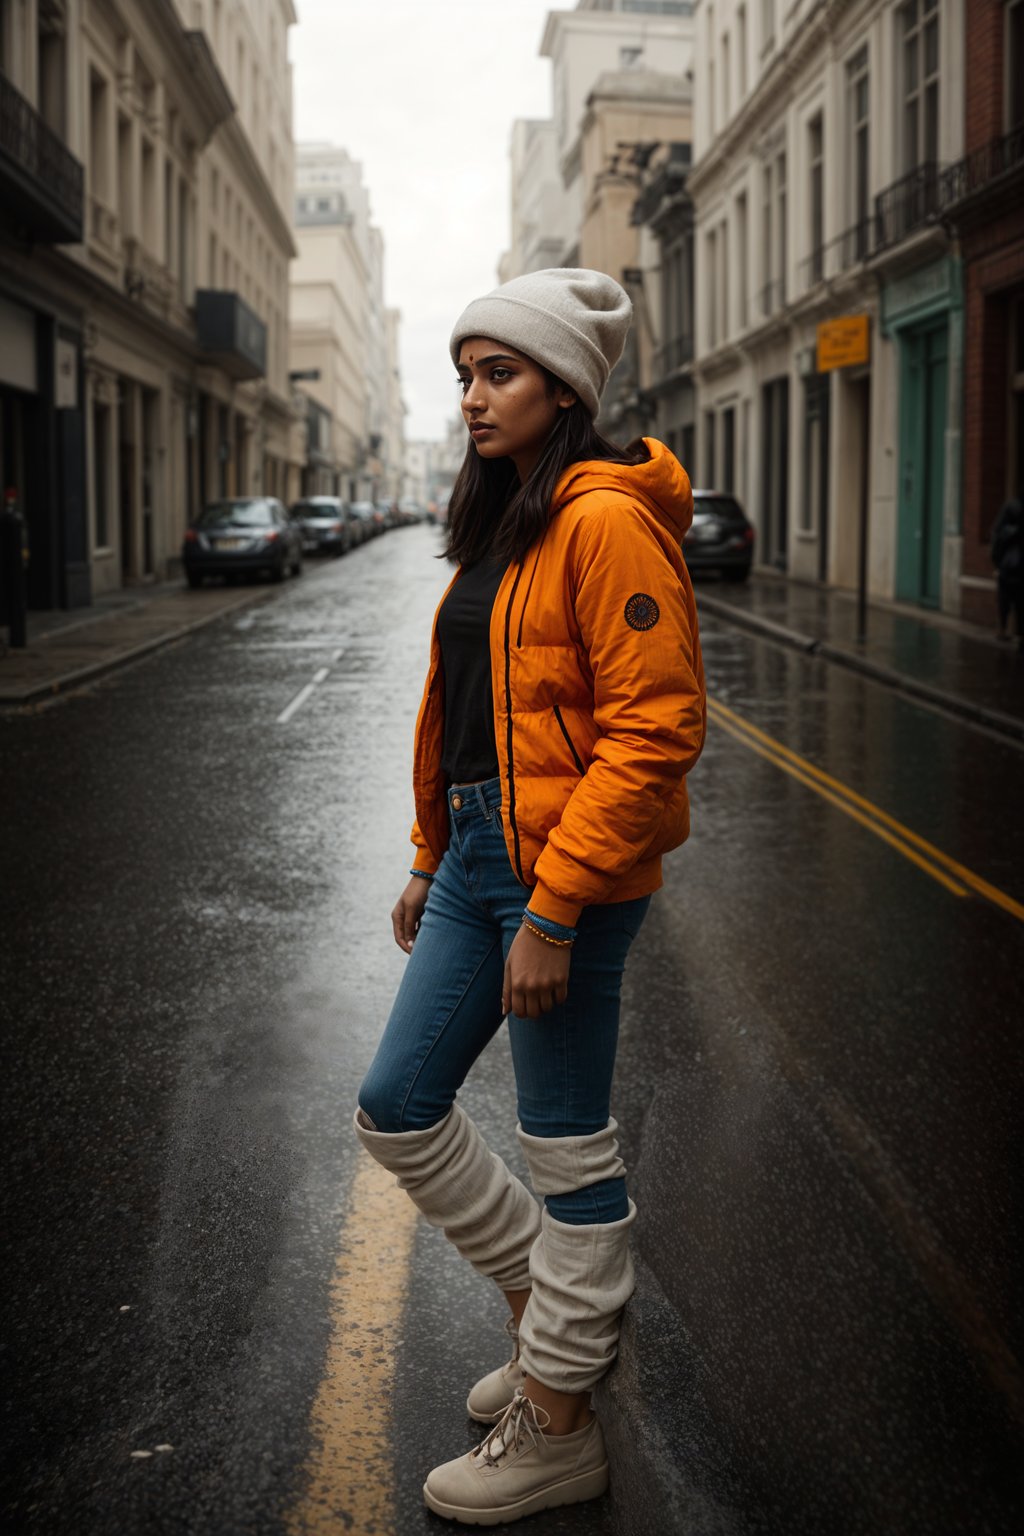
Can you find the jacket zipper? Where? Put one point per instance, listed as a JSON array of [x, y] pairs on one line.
[[508, 739], [572, 749]]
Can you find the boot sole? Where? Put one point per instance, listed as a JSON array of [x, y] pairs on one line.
[[574, 1490]]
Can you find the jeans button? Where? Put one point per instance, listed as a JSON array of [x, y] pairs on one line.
[[456, 802]]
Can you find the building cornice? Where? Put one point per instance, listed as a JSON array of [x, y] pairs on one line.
[[207, 97]]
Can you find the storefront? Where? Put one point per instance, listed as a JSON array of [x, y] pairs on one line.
[[922, 311], [42, 450]]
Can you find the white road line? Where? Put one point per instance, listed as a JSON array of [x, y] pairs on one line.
[[296, 703], [319, 676]]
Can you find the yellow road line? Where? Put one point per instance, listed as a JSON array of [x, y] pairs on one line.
[[349, 1485], [783, 755], [850, 810]]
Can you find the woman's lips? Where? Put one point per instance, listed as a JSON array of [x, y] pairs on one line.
[[480, 429]]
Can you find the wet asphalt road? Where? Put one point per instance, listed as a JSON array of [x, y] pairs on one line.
[[198, 899]]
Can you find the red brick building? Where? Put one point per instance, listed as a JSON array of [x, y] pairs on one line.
[[985, 202]]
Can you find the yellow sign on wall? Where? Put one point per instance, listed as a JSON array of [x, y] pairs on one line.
[[842, 342]]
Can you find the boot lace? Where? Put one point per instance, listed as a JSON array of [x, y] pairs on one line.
[[519, 1420]]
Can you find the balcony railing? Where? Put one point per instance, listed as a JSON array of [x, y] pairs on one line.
[[41, 182], [907, 204], [232, 335], [673, 355], [980, 169]]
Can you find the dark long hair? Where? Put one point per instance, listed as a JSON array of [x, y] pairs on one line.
[[489, 512]]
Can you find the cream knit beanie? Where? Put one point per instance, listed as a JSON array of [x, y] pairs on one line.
[[570, 320]]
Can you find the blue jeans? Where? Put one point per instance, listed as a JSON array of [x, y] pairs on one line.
[[448, 1006]]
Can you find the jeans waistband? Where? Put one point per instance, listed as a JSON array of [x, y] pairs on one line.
[[475, 799]]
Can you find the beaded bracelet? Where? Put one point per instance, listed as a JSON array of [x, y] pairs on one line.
[[421, 874], [559, 943], [549, 926]]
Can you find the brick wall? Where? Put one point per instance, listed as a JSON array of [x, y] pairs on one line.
[[993, 258], [983, 118]]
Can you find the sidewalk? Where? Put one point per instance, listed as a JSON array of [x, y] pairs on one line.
[[954, 665], [67, 648]]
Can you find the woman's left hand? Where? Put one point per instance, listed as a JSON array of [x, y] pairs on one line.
[[536, 976]]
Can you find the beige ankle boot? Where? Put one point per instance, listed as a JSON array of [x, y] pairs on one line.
[[460, 1185], [518, 1470], [494, 1392]]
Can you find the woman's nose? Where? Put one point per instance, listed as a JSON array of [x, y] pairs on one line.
[[471, 400]]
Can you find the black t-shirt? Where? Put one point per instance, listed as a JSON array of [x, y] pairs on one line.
[[463, 629]]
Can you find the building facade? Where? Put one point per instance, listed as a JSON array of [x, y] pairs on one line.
[[340, 328], [621, 108], [168, 300], [820, 143], [983, 198]]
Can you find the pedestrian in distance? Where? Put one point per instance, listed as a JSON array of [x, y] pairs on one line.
[[564, 705], [1008, 559]]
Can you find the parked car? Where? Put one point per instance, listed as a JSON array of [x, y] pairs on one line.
[[242, 535], [720, 538], [367, 513], [326, 525]]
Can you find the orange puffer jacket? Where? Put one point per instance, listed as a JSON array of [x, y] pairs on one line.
[[599, 703]]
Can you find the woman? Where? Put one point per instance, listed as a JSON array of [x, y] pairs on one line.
[[563, 706]]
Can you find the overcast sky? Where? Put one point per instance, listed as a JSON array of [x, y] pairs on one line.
[[424, 93]]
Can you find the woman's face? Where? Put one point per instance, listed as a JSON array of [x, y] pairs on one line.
[[507, 400]]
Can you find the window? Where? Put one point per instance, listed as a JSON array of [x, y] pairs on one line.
[[711, 246], [149, 195], [723, 241], [125, 176], [1014, 54], [168, 215], [708, 474], [729, 449], [99, 137], [742, 272], [629, 58], [767, 25], [857, 103], [816, 197], [741, 51], [780, 188], [726, 79], [919, 77], [767, 245]]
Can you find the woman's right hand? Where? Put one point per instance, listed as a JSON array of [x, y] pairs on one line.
[[405, 918]]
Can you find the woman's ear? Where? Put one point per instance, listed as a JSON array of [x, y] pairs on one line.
[[565, 399]]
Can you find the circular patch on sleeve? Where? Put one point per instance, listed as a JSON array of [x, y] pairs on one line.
[[642, 612]]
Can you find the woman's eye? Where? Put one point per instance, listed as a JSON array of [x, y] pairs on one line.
[[498, 374], [462, 383]]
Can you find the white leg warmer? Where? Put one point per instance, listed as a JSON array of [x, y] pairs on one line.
[[460, 1185], [582, 1276]]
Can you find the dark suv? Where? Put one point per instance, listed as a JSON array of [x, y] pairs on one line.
[[720, 538]]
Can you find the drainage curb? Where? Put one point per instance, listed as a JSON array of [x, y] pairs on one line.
[[912, 687]]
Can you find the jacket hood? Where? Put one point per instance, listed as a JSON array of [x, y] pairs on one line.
[[661, 484]]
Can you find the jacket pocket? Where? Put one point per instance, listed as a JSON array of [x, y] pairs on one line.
[[562, 727]]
